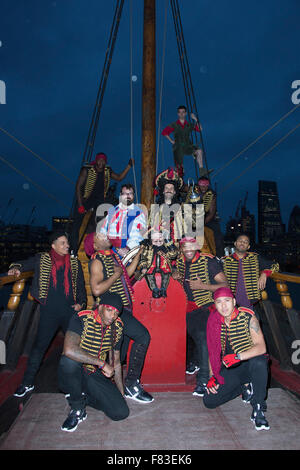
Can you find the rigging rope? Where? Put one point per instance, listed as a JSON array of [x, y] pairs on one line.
[[89, 148], [161, 85], [186, 75], [256, 140], [40, 188], [90, 142], [37, 156], [260, 158], [131, 99]]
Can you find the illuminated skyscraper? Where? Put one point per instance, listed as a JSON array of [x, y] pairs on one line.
[[270, 225]]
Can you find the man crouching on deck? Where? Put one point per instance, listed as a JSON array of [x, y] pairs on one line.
[[83, 374], [237, 356]]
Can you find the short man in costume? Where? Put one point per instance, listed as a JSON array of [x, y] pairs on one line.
[[200, 275], [247, 272], [156, 258], [237, 355], [181, 142], [108, 274], [125, 224], [85, 371], [58, 286], [91, 190], [166, 214]]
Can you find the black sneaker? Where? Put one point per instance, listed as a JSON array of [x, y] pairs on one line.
[[137, 393], [247, 393], [22, 390], [75, 417], [199, 390], [192, 369], [259, 419]]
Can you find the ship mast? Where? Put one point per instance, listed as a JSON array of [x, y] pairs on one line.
[[148, 105]]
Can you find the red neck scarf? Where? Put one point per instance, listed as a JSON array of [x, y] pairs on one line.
[[213, 337], [59, 261]]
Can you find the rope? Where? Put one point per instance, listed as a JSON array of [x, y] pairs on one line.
[[131, 99], [36, 155], [187, 78], [89, 148], [260, 158], [161, 84], [256, 140], [90, 142], [40, 188]]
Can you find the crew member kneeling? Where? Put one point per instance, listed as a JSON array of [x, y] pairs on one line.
[[237, 356], [83, 374]]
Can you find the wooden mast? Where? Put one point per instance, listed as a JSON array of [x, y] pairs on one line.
[[148, 105]]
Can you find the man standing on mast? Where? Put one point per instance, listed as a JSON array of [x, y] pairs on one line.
[[181, 143]]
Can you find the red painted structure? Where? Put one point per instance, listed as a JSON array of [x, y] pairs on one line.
[[165, 318]]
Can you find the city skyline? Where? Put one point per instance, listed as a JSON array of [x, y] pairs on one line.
[[244, 72]]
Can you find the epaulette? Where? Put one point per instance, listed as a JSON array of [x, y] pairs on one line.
[[84, 312], [118, 319], [209, 255], [247, 310]]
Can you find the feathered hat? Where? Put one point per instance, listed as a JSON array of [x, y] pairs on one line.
[[168, 176]]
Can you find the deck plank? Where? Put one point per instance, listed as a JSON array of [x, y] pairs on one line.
[[174, 421]]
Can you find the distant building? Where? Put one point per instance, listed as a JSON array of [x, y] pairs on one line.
[[19, 242], [61, 223], [270, 225], [242, 222], [294, 221]]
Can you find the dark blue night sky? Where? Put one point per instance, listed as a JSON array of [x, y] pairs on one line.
[[243, 57]]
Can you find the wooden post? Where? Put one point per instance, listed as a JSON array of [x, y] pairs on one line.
[[292, 314], [148, 106], [282, 288], [15, 296]]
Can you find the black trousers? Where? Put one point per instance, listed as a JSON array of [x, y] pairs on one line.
[[253, 370], [133, 329], [94, 390], [49, 323], [196, 327]]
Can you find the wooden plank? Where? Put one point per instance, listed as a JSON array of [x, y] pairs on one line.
[[294, 319], [285, 360]]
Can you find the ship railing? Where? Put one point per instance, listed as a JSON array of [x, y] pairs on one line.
[[281, 321], [18, 321]]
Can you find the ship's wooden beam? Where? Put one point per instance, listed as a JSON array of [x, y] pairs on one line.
[[148, 105]]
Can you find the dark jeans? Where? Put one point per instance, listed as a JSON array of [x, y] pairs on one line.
[[253, 370], [99, 391], [196, 327], [49, 323], [133, 329]]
